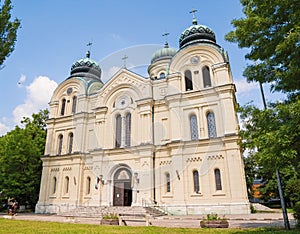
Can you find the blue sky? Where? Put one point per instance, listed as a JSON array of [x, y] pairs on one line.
[[54, 34]]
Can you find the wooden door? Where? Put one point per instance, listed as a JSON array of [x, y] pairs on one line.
[[118, 194]]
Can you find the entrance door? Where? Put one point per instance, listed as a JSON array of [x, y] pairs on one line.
[[122, 188]]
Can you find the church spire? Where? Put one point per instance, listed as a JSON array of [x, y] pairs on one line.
[[88, 53], [193, 11], [166, 43]]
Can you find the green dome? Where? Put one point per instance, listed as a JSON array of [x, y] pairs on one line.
[[86, 67], [196, 33], [163, 53]]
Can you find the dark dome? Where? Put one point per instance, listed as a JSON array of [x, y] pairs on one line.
[[163, 53], [196, 33], [86, 67]]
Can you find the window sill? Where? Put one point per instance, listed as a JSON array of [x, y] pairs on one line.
[[52, 196], [65, 197], [197, 195], [167, 196], [219, 193]]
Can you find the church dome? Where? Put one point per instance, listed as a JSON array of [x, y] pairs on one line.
[[164, 53], [196, 34], [86, 67]]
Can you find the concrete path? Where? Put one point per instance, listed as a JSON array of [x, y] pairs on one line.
[[235, 221]]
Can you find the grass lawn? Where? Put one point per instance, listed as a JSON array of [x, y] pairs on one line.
[[21, 226]]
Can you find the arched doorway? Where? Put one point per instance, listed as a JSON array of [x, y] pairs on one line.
[[122, 187]]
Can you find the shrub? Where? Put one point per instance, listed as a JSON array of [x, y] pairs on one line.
[[252, 209], [296, 213], [110, 216]]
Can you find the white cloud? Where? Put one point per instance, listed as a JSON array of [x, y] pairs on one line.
[[243, 86], [107, 74], [38, 95], [21, 81], [3, 129]]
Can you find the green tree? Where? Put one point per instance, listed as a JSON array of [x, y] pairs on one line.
[[271, 30], [272, 137], [8, 31], [20, 164]]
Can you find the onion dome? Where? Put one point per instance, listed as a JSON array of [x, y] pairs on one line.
[[86, 67], [196, 34], [164, 53]]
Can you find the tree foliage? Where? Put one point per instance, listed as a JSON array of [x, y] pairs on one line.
[[272, 137], [271, 30], [20, 164], [8, 31]]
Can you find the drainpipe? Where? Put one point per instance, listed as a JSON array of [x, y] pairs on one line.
[[154, 148]]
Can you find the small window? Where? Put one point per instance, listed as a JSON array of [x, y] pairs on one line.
[[71, 139], [128, 129], [194, 127], [118, 131], [162, 75], [211, 125], [168, 183], [54, 185], [196, 181], [206, 77], [218, 179], [63, 107], [88, 185], [67, 180], [60, 144], [74, 104], [188, 80]]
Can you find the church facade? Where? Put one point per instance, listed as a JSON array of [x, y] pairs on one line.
[[170, 139]]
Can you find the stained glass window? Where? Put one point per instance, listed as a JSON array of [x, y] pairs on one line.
[[206, 77], [194, 127], [188, 80], [218, 179], [196, 181], [211, 125], [128, 129], [118, 131]]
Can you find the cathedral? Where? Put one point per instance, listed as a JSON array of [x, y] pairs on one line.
[[167, 140]]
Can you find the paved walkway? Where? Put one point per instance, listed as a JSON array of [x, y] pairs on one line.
[[235, 221]]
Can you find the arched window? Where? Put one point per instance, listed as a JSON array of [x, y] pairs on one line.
[[71, 139], [74, 103], [211, 125], [196, 181], [206, 77], [60, 144], [194, 127], [54, 185], [218, 179], [162, 75], [188, 80], [127, 129], [118, 131], [63, 107], [168, 182], [88, 185], [67, 180]]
